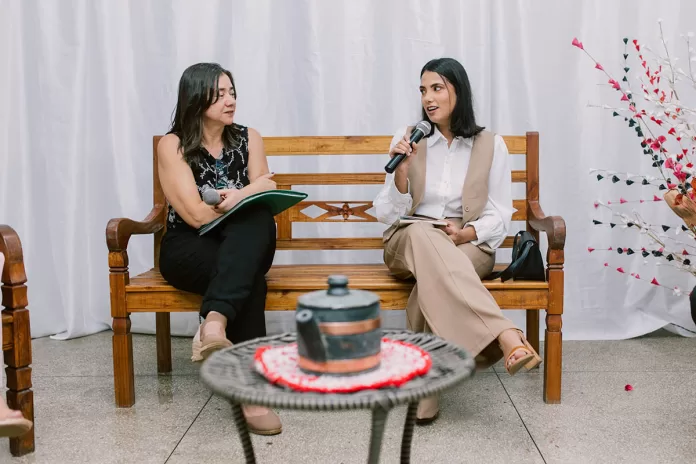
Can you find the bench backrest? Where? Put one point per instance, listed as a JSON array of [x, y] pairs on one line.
[[349, 211]]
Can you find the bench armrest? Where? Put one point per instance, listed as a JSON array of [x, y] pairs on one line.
[[554, 226], [119, 230], [13, 272]]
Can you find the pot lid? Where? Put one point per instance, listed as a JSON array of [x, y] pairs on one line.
[[338, 296]]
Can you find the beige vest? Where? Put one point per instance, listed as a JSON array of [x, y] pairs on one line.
[[475, 190]]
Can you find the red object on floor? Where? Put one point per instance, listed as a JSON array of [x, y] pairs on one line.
[[628, 387], [400, 363]]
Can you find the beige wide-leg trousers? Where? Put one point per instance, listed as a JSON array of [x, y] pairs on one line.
[[449, 298]]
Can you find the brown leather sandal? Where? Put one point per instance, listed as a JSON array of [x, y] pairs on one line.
[[529, 361]]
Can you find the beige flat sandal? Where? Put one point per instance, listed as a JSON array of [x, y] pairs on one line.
[[266, 424], [196, 347], [14, 427], [200, 352], [428, 410]]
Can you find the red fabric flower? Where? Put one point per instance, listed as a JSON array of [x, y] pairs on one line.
[[599, 66], [628, 387], [654, 281], [577, 43]]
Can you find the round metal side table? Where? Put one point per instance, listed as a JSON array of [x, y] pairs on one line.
[[230, 374]]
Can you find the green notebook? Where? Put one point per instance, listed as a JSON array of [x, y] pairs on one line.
[[277, 200]]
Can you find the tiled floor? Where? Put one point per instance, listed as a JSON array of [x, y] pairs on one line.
[[493, 418]]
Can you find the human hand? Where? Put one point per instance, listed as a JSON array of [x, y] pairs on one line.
[[228, 198], [403, 147], [264, 183], [451, 229]]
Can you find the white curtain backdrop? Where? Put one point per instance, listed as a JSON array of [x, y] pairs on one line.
[[84, 85]]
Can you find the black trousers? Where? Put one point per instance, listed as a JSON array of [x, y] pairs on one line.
[[228, 266]]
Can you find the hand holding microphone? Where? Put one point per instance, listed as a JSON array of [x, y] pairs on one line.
[[406, 146], [224, 199], [221, 200]]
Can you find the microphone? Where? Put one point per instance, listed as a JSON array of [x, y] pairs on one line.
[[211, 196], [421, 129]]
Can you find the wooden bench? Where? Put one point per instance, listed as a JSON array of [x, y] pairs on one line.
[[149, 292], [16, 336]]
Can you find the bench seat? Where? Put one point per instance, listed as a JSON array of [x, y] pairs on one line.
[[149, 292]]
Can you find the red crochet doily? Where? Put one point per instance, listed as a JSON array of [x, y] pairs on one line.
[[400, 363]]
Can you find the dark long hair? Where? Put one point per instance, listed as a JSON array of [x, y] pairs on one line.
[[463, 121], [198, 90]]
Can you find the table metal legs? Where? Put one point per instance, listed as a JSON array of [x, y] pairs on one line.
[[379, 418], [241, 424], [408, 433]]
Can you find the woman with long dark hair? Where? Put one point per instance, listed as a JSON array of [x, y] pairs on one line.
[[465, 179], [206, 149]]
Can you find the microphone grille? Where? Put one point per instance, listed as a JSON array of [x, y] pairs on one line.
[[423, 126], [211, 197]]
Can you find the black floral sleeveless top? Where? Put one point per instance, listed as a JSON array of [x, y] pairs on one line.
[[231, 170]]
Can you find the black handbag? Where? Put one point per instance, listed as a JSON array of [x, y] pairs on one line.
[[526, 264]]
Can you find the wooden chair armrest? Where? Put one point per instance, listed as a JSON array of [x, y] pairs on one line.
[[10, 245], [554, 226], [119, 230]]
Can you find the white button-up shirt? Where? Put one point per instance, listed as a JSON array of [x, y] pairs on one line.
[[446, 169]]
